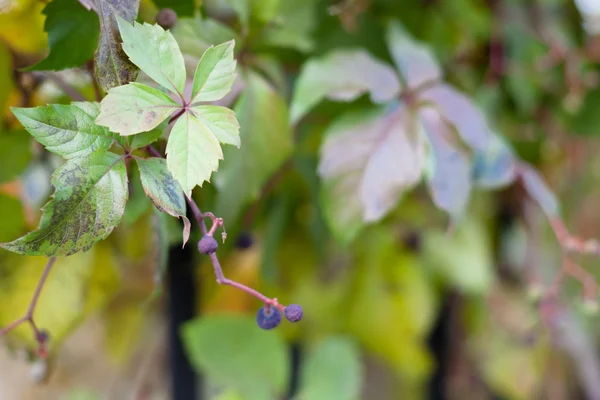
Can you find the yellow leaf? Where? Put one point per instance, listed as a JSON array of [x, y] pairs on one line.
[[22, 25]]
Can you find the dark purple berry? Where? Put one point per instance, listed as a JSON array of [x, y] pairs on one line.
[[244, 241], [167, 18], [268, 318], [42, 336], [293, 313], [207, 245]]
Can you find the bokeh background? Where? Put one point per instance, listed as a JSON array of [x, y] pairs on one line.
[[407, 309]]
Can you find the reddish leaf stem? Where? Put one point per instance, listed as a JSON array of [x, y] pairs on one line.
[[28, 317], [199, 216]]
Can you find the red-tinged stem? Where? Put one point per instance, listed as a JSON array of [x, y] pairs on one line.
[[28, 317], [199, 216]]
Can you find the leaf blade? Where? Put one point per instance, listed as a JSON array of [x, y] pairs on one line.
[[67, 130], [215, 73], [134, 108], [155, 52], [164, 191], [87, 205]]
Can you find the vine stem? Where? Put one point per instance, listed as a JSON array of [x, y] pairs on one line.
[[199, 216], [28, 317]]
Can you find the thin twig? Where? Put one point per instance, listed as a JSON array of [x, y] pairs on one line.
[[29, 315]]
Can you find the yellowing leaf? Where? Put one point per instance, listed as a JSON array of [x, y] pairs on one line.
[[22, 27]]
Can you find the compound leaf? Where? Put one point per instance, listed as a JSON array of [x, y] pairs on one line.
[[87, 205], [344, 76], [164, 191], [134, 108], [112, 66], [67, 130], [215, 73], [155, 52], [72, 35]]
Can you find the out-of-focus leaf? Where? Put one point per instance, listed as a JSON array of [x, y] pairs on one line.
[[155, 52], [193, 150], [16, 154], [196, 35], [242, 9], [67, 130], [88, 203], [81, 394], [22, 25], [112, 66], [414, 60], [332, 371], [183, 8], [234, 351], [266, 142], [450, 183], [215, 73], [164, 191], [36, 185], [539, 190], [72, 35], [463, 258], [293, 26], [66, 295], [496, 166], [138, 203], [342, 75], [11, 215], [134, 108], [461, 112], [263, 10], [587, 119], [368, 160]]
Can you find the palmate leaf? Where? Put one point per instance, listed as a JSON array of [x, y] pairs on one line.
[[88, 203], [112, 66], [135, 108], [155, 52], [368, 159], [193, 149], [67, 130], [215, 73], [164, 191]]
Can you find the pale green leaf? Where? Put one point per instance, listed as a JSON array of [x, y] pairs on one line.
[[368, 160], [193, 152], [145, 138], [332, 370], [414, 60], [164, 191], [215, 73], [134, 108], [67, 130], [234, 351], [221, 121], [112, 67], [196, 35], [343, 75], [155, 52], [267, 142], [87, 204]]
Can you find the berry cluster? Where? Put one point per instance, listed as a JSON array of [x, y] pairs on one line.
[[269, 317]]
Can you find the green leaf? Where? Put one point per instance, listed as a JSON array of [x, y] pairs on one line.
[[72, 35], [263, 10], [368, 160], [196, 35], [587, 119], [233, 351], [332, 370], [193, 149], [12, 217], [6, 78], [459, 110], [266, 143], [450, 183], [343, 75], [87, 204], [463, 258], [67, 130], [414, 60], [155, 52], [181, 7], [134, 108], [16, 154], [145, 138], [293, 26], [164, 191], [215, 73], [112, 66]]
